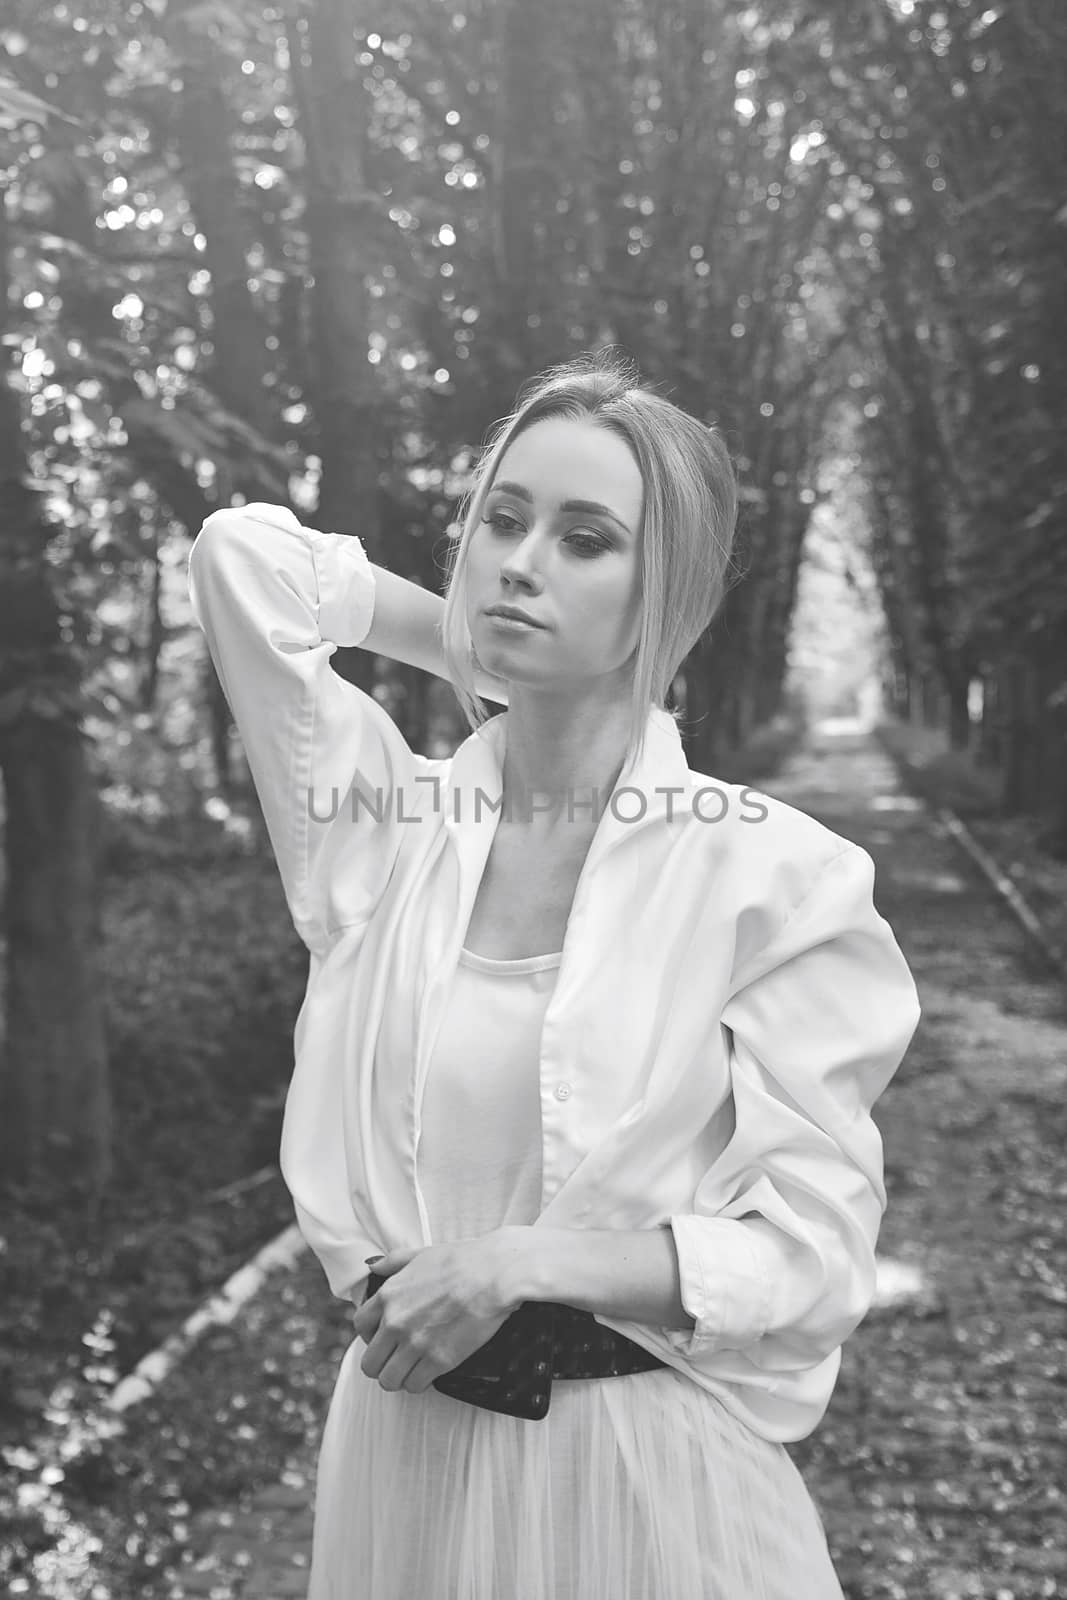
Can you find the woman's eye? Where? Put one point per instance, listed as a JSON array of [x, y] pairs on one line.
[[586, 545]]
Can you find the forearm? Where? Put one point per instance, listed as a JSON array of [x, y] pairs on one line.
[[630, 1274], [406, 627]]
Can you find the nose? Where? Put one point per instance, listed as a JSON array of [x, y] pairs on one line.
[[519, 564]]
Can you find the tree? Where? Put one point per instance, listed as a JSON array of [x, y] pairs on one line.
[[53, 1057]]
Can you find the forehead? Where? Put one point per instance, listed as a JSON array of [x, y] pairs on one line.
[[560, 458]]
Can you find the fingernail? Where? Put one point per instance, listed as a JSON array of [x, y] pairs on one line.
[[372, 1259]]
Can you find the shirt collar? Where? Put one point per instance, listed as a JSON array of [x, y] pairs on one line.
[[475, 785]]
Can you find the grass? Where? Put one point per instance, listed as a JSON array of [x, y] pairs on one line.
[[1019, 844]]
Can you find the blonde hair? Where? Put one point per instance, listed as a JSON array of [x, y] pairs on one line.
[[686, 534]]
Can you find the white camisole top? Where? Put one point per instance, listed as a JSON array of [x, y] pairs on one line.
[[479, 1158]]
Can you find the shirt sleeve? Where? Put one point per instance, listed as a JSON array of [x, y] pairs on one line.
[[777, 1259], [274, 600]]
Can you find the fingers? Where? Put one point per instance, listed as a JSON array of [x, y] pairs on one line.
[[400, 1373], [397, 1367], [378, 1352], [367, 1320], [421, 1376]]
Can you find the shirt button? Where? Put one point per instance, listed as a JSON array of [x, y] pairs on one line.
[[563, 1091]]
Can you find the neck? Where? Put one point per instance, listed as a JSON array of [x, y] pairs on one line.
[[562, 760]]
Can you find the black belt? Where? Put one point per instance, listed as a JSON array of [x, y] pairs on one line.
[[541, 1340]]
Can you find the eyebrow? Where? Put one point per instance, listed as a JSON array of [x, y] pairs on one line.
[[594, 506]]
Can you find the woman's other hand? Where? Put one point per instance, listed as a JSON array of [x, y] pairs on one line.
[[440, 1303]]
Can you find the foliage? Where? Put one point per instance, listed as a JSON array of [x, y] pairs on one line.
[[528, 190], [205, 977], [941, 776], [782, 213]]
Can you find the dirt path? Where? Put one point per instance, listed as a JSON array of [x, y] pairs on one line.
[[939, 1464]]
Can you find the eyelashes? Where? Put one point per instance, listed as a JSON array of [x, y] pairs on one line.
[[585, 544]]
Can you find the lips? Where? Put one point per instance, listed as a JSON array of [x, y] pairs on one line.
[[512, 614]]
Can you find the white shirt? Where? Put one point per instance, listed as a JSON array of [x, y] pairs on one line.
[[728, 1008]]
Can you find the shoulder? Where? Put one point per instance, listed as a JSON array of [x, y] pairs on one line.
[[763, 859], [741, 825]]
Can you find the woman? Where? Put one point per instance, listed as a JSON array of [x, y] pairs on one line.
[[582, 1028]]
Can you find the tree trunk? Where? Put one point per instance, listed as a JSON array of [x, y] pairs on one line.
[[987, 752], [1050, 775], [56, 1111], [525, 314], [332, 104], [1016, 753], [204, 130], [959, 716], [416, 708], [698, 730], [242, 366], [57, 1123]]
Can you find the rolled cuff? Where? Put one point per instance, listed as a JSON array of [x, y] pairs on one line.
[[723, 1285], [345, 584]]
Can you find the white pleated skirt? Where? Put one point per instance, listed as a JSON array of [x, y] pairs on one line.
[[641, 1487]]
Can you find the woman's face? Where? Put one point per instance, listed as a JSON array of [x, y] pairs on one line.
[[576, 570]]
